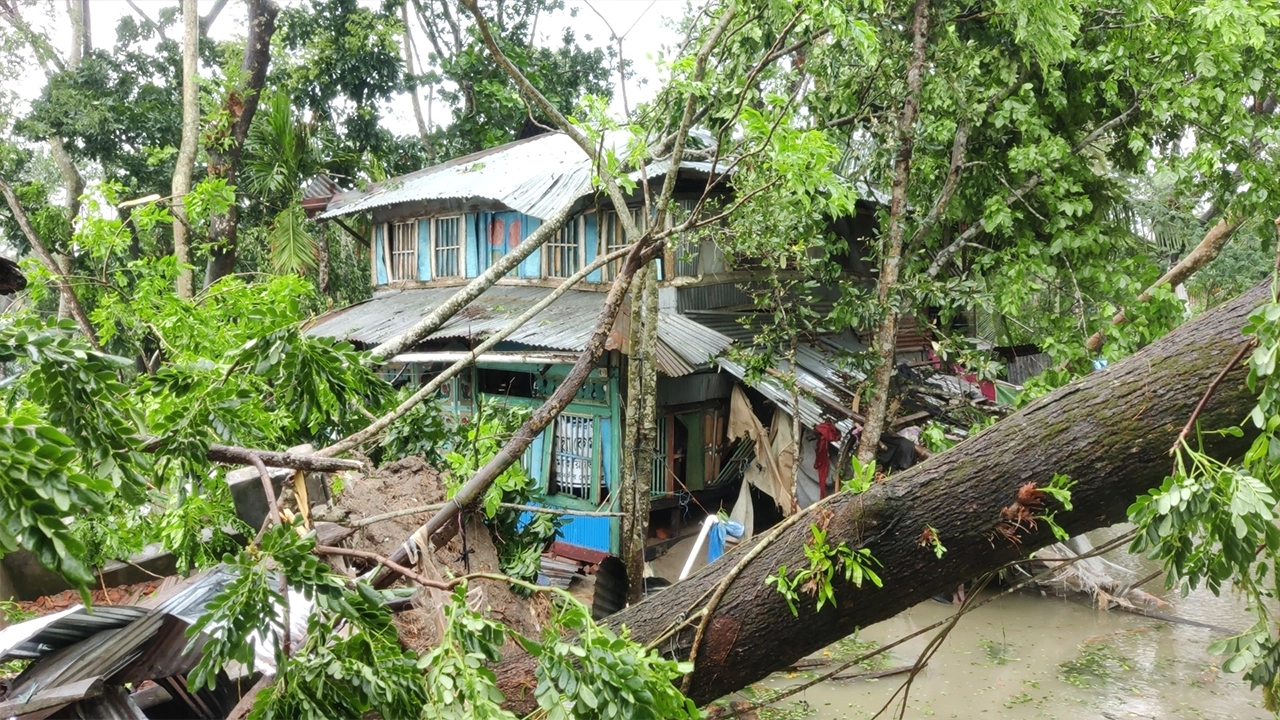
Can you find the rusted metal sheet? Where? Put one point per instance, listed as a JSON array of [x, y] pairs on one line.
[[566, 324]]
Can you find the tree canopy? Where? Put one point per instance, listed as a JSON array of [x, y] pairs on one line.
[[1034, 168]]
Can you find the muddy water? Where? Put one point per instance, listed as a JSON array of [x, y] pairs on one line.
[[1030, 656]]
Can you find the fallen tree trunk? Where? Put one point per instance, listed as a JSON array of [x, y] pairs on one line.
[[1110, 432]]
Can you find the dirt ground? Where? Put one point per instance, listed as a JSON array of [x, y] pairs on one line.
[[411, 482], [121, 595]]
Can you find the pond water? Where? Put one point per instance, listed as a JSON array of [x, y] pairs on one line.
[[1032, 656]]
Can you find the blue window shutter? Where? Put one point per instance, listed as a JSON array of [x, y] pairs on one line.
[[530, 267], [379, 262], [591, 243], [474, 252], [424, 250]]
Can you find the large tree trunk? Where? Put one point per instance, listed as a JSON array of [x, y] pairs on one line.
[[641, 430], [224, 147], [185, 166], [1110, 432]]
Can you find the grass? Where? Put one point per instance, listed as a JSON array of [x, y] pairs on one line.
[[851, 647]]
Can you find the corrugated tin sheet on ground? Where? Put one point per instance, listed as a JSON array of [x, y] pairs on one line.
[[117, 646], [38, 636]]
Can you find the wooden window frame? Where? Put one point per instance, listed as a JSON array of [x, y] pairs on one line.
[[396, 257], [613, 237], [460, 247], [557, 243]]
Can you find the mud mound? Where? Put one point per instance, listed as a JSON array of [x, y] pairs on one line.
[[405, 483], [411, 482]]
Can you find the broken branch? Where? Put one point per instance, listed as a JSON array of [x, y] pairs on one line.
[[51, 265]]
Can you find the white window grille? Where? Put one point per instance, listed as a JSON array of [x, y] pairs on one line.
[[446, 243], [404, 250], [572, 455]]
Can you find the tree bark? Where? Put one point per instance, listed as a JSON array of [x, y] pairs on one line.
[[641, 430], [322, 262], [185, 168], [1110, 431], [73, 185], [413, 87], [225, 147], [885, 342], [1204, 253]]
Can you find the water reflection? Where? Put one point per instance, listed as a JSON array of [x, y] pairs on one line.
[[1033, 656]]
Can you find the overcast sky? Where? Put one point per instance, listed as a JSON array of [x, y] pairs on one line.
[[645, 25]]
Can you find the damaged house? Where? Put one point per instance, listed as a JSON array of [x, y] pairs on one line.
[[435, 229]]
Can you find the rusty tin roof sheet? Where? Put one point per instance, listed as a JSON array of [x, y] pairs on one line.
[[566, 324]]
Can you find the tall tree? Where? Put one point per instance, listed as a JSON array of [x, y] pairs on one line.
[[224, 144], [484, 105], [186, 162]]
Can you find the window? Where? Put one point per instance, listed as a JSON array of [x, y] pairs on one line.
[[404, 251], [564, 252], [572, 455], [613, 237], [446, 246], [686, 245]]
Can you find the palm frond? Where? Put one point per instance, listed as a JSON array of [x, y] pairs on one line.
[[293, 248]]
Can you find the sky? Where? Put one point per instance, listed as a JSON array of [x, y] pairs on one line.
[[644, 24]]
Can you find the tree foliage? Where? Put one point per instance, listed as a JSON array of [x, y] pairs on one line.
[[485, 108]]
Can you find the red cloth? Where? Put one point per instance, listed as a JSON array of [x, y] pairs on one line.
[[827, 433]]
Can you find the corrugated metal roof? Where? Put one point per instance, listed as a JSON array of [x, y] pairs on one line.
[[566, 324], [821, 375], [536, 176], [697, 344], [811, 413], [38, 636]]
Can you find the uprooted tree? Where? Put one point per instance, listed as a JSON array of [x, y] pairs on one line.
[[792, 93], [1110, 432]]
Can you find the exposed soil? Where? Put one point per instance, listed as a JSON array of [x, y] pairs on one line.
[[412, 482], [404, 483], [120, 595]]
